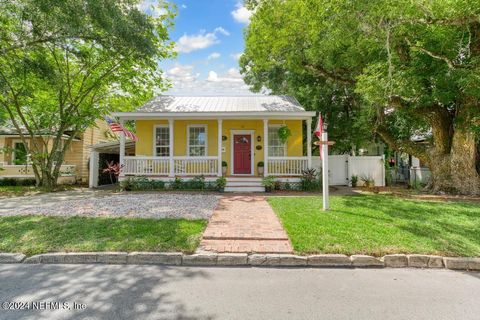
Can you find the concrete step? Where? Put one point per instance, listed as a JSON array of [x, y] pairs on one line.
[[244, 183], [244, 188], [244, 179]]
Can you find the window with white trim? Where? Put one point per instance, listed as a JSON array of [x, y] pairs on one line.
[[197, 141], [275, 147], [162, 141]]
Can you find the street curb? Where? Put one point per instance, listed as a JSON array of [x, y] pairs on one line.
[[244, 259]]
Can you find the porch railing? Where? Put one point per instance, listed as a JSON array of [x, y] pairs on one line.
[[287, 166], [188, 166], [26, 171], [147, 165], [183, 166]]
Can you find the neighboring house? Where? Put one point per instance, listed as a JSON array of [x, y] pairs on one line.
[[14, 159], [188, 136]]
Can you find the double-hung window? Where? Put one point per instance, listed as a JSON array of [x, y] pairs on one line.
[[275, 147], [162, 141], [197, 140]]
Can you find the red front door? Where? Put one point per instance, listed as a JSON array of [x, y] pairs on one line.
[[242, 154]]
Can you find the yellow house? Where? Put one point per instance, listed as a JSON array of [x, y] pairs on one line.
[[188, 136], [14, 160]]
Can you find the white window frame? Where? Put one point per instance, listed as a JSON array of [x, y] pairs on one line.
[[285, 149], [206, 139], [154, 152]]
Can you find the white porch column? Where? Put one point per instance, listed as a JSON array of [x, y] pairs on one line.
[[93, 169], [219, 121], [122, 149], [170, 145], [265, 147], [309, 142]]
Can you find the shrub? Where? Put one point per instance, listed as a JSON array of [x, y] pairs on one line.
[[224, 164], [260, 164], [197, 183], [368, 181], [354, 180], [17, 182], [310, 180], [141, 184], [268, 181], [221, 182], [177, 184]]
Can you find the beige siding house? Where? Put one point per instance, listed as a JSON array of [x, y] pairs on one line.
[[15, 162]]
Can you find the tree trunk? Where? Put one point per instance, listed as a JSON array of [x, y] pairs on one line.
[[454, 170]]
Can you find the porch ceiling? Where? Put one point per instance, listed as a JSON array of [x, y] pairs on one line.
[[113, 147]]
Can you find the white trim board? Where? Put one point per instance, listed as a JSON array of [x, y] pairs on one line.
[[252, 151]]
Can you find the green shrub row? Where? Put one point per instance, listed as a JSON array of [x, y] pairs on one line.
[[4, 182], [196, 183]]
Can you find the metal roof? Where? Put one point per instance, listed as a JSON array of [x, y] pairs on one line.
[[201, 104]]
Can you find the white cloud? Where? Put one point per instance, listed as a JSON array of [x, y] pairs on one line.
[[236, 56], [214, 55], [202, 40], [241, 14], [185, 81], [222, 31], [151, 7], [184, 6], [182, 73], [232, 75]]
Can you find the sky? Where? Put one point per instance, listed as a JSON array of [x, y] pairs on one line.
[[209, 42]]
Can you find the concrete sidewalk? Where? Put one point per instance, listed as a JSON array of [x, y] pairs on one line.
[[245, 223]]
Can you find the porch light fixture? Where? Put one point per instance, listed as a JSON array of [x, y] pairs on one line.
[[224, 138], [259, 138]]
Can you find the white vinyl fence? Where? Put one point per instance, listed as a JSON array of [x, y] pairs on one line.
[[343, 167]]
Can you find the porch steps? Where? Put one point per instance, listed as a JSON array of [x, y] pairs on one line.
[[244, 184]]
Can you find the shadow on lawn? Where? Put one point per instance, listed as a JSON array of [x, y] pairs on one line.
[[38, 234], [109, 292], [454, 227]]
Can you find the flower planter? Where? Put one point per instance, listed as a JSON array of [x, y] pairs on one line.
[[260, 171]]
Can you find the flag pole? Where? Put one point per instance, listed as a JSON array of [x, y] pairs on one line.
[[324, 147]]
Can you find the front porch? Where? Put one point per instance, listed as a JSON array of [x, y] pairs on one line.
[[193, 147]]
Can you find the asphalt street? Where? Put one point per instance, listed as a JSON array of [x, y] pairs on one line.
[[156, 292]]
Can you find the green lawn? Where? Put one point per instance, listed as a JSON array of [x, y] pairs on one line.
[[15, 190], [378, 225], [38, 234]]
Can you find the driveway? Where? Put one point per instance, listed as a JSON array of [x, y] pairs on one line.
[[155, 292], [95, 203]]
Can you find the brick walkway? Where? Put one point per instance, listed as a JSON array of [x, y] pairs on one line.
[[245, 224]]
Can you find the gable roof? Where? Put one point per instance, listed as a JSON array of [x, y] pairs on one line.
[[199, 104]]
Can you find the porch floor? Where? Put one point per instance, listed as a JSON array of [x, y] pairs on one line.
[[245, 224]]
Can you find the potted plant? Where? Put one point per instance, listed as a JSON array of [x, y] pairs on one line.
[[221, 182], [260, 168], [268, 182], [224, 167], [284, 133], [354, 180]]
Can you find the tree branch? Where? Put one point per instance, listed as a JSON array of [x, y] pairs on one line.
[[324, 73], [448, 61]]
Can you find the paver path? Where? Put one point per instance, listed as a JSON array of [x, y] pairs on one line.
[[245, 224]]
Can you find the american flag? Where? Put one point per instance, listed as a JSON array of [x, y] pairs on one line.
[[318, 132], [116, 127]]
